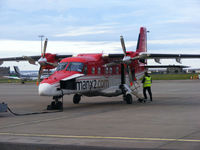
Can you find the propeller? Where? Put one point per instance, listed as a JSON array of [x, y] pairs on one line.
[[125, 64], [39, 75], [123, 45], [42, 61], [126, 59], [45, 48]]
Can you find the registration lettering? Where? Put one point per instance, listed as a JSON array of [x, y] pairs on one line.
[[91, 84]]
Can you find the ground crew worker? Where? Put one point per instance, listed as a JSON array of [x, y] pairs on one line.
[[147, 80]]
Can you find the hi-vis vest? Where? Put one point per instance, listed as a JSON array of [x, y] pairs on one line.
[[147, 82]]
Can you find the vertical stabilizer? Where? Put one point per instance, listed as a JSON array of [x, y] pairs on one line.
[[142, 40], [17, 71]]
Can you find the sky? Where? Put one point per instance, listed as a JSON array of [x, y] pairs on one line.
[[93, 26]]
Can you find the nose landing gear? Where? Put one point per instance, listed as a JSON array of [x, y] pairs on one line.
[[56, 104]]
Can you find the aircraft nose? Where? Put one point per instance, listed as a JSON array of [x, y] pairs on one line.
[[46, 89]]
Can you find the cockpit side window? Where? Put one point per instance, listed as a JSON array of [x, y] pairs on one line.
[[61, 66], [75, 66]]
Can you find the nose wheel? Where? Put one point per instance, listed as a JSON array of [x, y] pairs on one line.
[[56, 104]]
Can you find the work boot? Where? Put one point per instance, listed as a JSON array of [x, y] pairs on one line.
[[140, 100]]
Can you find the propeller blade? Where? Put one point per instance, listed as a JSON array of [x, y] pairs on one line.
[[123, 45], [39, 75], [45, 47], [30, 60]]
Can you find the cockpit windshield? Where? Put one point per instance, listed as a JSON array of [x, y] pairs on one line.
[[75, 66], [61, 66]]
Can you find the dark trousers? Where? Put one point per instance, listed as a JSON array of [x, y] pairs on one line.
[[149, 91]]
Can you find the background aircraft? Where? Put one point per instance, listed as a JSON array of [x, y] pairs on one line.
[[29, 76], [96, 74]]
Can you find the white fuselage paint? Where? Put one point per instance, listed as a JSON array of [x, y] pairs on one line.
[[87, 84]]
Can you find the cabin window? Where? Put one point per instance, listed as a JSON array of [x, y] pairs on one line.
[[93, 70], [85, 70], [110, 70], [106, 70], [117, 70], [99, 70], [75, 66], [61, 66]]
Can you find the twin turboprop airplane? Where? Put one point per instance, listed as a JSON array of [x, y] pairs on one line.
[[96, 74]]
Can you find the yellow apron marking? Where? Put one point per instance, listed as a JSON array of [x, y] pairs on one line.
[[97, 137]]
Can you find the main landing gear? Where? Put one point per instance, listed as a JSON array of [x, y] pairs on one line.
[[56, 104], [128, 98], [76, 98]]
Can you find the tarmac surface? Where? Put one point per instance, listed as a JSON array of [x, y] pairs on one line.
[[171, 121]]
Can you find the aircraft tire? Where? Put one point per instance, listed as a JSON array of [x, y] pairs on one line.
[[129, 99], [76, 98], [55, 106]]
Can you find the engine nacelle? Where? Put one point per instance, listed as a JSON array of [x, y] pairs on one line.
[[47, 60]]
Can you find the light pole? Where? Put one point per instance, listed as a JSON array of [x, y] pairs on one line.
[[41, 36]]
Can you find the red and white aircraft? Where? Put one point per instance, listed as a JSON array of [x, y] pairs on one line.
[[96, 74]]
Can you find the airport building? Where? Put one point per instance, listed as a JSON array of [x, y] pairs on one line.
[[4, 71], [171, 69]]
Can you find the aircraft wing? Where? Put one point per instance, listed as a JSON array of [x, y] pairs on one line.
[[113, 55], [31, 59], [157, 57], [60, 57], [166, 66], [154, 56], [23, 58], [142, 56], [168, 56]]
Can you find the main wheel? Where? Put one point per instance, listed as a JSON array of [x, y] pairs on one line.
[[129, 99], [76, 98]]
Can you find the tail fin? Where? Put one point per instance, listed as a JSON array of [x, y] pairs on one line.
[[142, 40], [17, 71]]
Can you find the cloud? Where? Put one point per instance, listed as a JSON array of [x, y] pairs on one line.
[[56, 5], [87, 30], [176, 20]]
